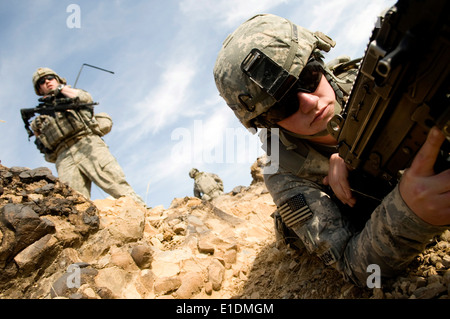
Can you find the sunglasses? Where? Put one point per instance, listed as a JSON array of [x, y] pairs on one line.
[[279, 83], [307, 82], [275, 80], [310, 77], [44, 78]]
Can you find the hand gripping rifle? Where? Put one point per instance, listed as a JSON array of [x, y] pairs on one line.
[[402, 89], [50, 105]]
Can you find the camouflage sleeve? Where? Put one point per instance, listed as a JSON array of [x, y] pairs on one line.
[[283, 185], [84, 96], [391, 238], [218, 180], [320, 224]]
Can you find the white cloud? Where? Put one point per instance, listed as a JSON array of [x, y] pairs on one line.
[[327, 14], [228, 13], [348, 22], [164, 104]]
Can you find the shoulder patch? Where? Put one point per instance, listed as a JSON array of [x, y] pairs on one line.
[[295, 210]]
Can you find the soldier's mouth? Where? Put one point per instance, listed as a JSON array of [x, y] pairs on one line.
[[320, 114]]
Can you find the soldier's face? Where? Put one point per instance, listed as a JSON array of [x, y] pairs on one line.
[[48, 85], [314, 112]]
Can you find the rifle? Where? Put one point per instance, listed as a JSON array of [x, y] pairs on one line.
[[49, 105], [402, 89]]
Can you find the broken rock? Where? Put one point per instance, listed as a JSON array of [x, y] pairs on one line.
[[216, 272]]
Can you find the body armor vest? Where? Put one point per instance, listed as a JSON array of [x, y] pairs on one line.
[[63, 126]]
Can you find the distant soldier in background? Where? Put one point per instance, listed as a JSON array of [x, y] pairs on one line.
[[208, 184], [72, 140], [257, 169]]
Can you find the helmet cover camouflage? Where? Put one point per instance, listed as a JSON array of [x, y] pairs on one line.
[[192, 172], [287, 44]]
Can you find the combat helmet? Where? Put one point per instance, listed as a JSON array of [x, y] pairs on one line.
[[40, 72], [192, 172], [260, 61]]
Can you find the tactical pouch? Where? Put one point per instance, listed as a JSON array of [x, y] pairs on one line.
[[69, 122], [102, 124], [50, 135], [56, 129]]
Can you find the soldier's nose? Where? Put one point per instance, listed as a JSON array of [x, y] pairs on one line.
[[307, 102]]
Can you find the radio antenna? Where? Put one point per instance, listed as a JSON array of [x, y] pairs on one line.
[[92, 66]]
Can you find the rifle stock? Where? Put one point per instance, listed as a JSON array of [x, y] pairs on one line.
[[402, 89]]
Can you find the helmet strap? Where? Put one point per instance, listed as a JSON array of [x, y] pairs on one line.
[[307, 137], [331, 79], [293, 50]]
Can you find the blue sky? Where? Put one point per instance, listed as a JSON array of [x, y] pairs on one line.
[[168, 116]]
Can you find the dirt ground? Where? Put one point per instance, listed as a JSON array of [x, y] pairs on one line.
[[225, 249]]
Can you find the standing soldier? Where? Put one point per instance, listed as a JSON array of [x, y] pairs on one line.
[[72, 140], [208, 184]]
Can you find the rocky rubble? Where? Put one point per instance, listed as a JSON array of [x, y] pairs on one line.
[[57, 244], [40, 218]]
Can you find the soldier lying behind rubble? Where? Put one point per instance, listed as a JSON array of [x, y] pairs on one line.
[[308, 214]]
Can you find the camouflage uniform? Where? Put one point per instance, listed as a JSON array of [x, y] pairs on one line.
[[391, 238], [390, 235], [208, 184], [82, 157]]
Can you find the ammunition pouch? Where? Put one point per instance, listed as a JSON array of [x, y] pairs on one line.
[[101, 124], [57, 129]]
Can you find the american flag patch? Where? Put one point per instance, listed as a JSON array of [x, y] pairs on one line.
[[295, 210]]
